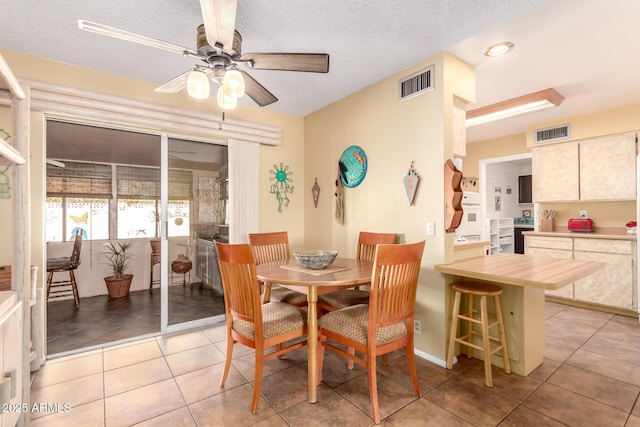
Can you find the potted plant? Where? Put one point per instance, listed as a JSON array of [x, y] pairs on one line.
[[118, 259]]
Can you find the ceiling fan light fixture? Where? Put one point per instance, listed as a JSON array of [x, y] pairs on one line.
[[198, 84], [226, 102], [233, 84]]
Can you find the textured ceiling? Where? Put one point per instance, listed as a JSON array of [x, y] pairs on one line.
[[584, 49]]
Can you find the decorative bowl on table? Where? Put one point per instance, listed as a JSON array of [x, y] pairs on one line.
[[315, 259]]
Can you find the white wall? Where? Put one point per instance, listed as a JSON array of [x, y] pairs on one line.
[[502, 179]]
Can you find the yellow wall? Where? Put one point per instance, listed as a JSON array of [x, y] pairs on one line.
[[392, 134]]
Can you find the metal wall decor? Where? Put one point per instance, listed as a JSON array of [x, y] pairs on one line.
[[315, 192], [411, 180], [339, 198], [281, 187], [353, 166]]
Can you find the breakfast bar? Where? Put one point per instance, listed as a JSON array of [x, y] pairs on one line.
[[524, 279]]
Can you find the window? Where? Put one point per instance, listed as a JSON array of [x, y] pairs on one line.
[[79, 196]]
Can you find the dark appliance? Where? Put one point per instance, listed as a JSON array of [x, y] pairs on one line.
[[521, 225], [525, 189]]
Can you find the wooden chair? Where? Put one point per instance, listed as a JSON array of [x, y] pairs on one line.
[[386, 323], [268, 247], [251, 323], [366, 251], [64, 264]]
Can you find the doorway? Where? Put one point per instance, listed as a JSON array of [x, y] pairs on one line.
[[118, 185]]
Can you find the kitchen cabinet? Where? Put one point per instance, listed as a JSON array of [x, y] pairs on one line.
[[602, 168], [617, 276], [10, 358], [614, 286], [555, 171], [500, 235], [554, 247], [525, 183]]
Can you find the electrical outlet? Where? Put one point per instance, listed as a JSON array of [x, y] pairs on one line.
[[417, 327], [583, 214]]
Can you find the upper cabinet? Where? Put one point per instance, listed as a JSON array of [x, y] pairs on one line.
[[602, 168], [556, 172]]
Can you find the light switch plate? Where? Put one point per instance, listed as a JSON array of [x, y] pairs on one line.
[[583, 214], [431, 228]]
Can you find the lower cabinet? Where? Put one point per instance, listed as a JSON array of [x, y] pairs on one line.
[[613, 286], [10, 359]]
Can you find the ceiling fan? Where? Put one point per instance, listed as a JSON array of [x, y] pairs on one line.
[[219, 47]]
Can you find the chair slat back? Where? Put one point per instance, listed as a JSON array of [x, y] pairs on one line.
[[74, 259], [239, 282], [394, 283], [269, 247], [367, 243]]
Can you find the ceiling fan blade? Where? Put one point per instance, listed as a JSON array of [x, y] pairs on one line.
[[174, 85], [105, 30], [219, 17], [310, 62], [257, 92]]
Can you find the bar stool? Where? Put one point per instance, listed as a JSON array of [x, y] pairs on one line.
[[482, 290]]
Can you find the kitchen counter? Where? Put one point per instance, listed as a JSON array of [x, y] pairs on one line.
[[615, 233], [523, 279], [469, 249]]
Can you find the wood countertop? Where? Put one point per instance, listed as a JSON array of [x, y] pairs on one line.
[[522, 270], [614, 233]]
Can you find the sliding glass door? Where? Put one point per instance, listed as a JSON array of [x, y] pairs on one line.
[[194, 216]]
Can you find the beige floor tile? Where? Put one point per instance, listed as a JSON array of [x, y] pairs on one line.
[[605, 390], [232, 408], [633, 421], [606, 366], [131, 354], [69, 394], [87, 415], [68, 369], [335, 370], [552, 308], [424, 413], [429, 374], [510, 386], [286, 388], [217, 332], [133, 376], [473, 403], [330, 410], [181, 341], [247, 365], [205, 382], [391, 394], [179, 418], [523, 416], [573, 409], [144, 403], [558, 352], [545, 370], [194, 359]]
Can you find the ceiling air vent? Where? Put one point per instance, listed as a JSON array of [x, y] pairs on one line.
[[416, 84], [552, 134]]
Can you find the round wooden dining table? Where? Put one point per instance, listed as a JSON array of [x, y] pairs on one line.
[[343, 273]]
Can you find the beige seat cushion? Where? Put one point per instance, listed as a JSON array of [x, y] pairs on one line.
[[352, 322], [277, 317], [282, 294], [345, 298]]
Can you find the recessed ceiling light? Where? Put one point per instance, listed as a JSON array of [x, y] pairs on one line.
[[499, 49]]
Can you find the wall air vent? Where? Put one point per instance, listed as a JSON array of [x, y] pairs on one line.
[[552, 134], [416, 84]]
